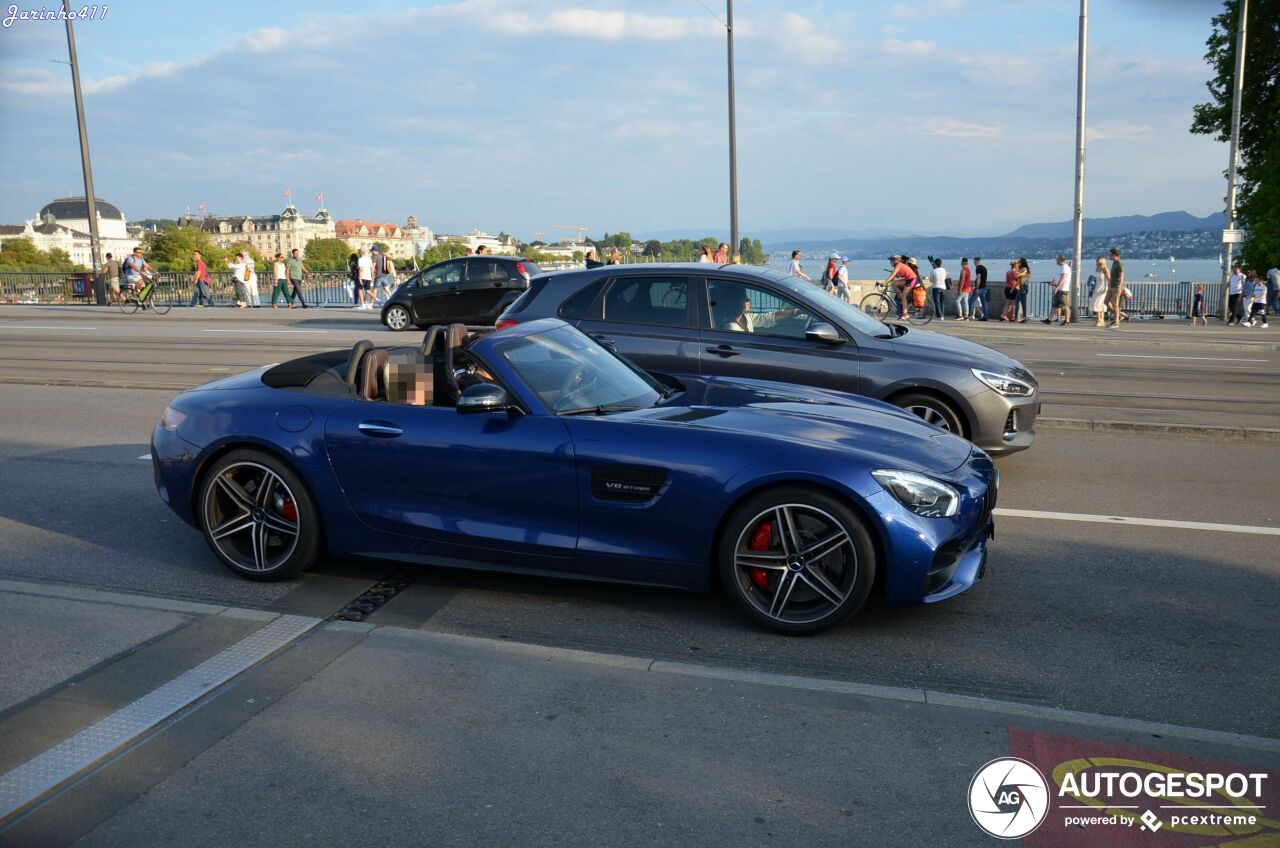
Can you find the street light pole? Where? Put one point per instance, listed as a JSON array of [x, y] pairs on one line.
[[1078, 232], [733, 146], [95, 245], [1237, 96]]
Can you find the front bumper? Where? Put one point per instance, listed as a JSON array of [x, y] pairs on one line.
[[927, 560], [173, 464], [1003, 425]]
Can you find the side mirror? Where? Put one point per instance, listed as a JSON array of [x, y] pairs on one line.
[[483, 397], [825, 333]]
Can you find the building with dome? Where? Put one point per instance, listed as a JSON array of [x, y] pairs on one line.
[[64, 224]]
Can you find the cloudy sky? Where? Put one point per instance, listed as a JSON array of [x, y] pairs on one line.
[[518, 115]]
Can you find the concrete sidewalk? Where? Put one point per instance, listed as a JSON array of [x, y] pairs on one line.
[[388, 735]]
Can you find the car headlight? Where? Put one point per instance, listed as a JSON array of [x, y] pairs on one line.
[[172, 419], [1005, 384], [918, 493]]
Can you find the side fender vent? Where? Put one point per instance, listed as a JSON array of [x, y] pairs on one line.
[[626, 483]]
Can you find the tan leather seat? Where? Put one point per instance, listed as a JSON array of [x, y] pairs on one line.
[[370, 380], [455, 340]]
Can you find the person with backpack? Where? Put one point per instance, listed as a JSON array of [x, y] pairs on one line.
[[831, 274], [241, 272], [353, 276], [902, 278]]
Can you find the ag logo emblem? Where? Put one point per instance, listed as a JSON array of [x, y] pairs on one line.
[[1008, 798]]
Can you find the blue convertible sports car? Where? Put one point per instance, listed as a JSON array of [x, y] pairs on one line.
[[536, 450]]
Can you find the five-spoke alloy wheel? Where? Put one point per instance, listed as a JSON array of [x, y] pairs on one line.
[[258, 517], [797, 560]]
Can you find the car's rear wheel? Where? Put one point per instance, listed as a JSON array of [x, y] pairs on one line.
[[797, 560], [933, 409], [258, 517], [396, 318]]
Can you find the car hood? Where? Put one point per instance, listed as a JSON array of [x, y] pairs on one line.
[[952, 349], [817, 417]]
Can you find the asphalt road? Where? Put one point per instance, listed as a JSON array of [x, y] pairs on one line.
[[1148, 373], [1173, 625]]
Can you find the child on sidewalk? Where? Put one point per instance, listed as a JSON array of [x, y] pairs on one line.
[[1197, 306]]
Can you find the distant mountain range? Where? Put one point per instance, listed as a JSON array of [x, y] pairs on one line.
[[1168, 222]]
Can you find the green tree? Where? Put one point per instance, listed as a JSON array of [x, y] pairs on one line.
[[21, 254], [751, 252], [653, 247], [170, 249], [329, 254], [1259, 200]]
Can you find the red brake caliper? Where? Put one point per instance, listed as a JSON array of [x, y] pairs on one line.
[[289, 510], [761, 540]]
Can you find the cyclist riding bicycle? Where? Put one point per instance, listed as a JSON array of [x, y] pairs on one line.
[[902, 279], [138, 274]]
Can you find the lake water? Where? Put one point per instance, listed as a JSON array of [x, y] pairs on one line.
[[1136, 270]]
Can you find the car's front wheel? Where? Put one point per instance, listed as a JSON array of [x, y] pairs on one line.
[[936, 411], [396, 318], [258, 517], [797, 560]]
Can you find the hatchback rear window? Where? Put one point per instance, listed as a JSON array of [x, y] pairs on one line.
[[579, 305]]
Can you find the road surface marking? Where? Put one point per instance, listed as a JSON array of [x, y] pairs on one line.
[[841, 687], [61, 763], [145, 456], [25, 326], [1141, 522], [1160, 356], [266, 331]]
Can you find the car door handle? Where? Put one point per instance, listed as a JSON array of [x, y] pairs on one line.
[[380, 429], [724, 350]]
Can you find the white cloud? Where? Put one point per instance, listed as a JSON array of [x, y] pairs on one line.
[[1117, 131], [602, 24], [956, 128], [920, 9]]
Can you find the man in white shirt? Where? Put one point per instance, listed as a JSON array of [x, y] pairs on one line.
[[938, 288], [748, 322], [796, 269], [842, 279], [364, 281], [1235, 285], [1061, 292]]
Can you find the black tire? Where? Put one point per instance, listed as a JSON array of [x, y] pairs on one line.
[[789, 593], [160, 307], [933, 409], [128, 304], [877, 306], [236, 496], [396, 318]]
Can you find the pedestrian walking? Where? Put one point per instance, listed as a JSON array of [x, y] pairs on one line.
[[201, 283], [1273, 285], [831, 273], [1010, 292], [241, 273], [795, 269], [251, 283], [364, 280], [842, 279], [1099, 286], [111, 270], [383, 275], [938, 288], [1197, 306], [1061, 293], [1115, 287], [615, 258], [280, 286], [482, 250], [297, 273], [1255, 290], [721, 256], [981, 297], [591, 260], [1235, 288], [353, 278], [1024, 289], [704, 254], [965, 291]]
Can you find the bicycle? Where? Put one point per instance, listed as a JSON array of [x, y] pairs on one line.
[[882, 304], [131, 301]]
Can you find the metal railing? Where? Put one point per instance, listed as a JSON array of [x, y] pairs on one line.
[[328, 289]]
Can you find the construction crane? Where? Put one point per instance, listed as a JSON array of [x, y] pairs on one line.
[[581, 228], [538, 235]]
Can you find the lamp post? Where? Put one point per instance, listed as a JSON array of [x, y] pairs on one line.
[[1233, 167], [733, 144], [1078, 230], [95, 245]]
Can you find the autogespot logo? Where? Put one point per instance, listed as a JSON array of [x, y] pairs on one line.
[[1008, 798]]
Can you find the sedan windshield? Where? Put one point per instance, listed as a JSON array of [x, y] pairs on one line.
[[573, 375]]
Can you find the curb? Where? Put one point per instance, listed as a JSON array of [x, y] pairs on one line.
[[1119, 340], [1212, 431]]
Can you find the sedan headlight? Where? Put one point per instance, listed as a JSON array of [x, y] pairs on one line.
[[1005, 384], [918, 493]]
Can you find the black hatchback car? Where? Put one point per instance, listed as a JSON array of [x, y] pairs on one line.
[[467, 290], [734, 321]]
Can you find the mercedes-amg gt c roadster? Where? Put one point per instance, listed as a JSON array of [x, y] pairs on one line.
[[536, 450]]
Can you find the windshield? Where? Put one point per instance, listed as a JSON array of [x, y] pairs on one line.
[[572, 374], [847, 313]]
